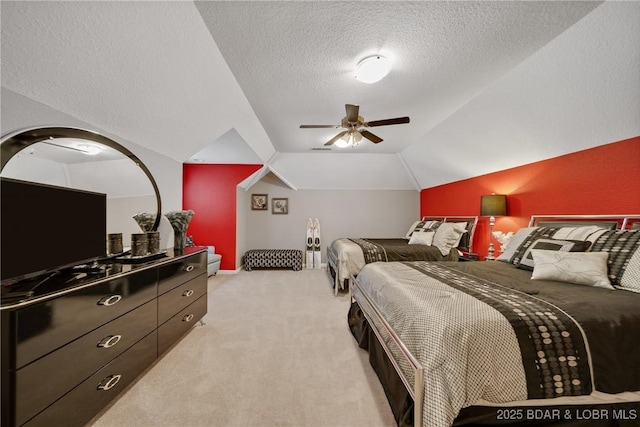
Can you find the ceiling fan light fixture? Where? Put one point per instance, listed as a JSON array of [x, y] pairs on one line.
[[372, 69], [350, 139], [342, 142]]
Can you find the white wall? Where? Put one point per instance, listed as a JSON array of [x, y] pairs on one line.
[[242, 208], [342, 213]]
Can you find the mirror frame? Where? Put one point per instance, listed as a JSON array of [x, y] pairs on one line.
[[12, 143]]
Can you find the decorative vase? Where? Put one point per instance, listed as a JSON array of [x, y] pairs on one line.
[[179, 221], [145, 220]]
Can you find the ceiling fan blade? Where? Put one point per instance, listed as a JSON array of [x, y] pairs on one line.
[[335, 138], [371, 137], [396, 121], [352, 112], [319, 126]]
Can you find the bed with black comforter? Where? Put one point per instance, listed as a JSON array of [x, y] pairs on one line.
[[481, 343]]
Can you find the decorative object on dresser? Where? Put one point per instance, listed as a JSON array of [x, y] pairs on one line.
[[492, 205], [145, 220], [179, 221]]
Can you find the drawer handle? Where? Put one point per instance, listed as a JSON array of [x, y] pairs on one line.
[[110, 341], [109, 382], [110, 300], [187, 318], [189, 268], [187, 293]]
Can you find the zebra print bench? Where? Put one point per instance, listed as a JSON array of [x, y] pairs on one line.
[[273, 258]]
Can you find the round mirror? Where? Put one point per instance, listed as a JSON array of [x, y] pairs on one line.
[[85, 160]]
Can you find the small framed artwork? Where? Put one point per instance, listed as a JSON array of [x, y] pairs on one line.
[[259, 202], [280, 206]]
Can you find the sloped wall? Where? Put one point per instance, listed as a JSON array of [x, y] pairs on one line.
[[601, 180]]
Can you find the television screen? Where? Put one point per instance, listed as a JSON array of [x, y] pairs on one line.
[[45, 228]]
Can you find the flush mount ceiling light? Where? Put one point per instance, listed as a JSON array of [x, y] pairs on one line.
[[74, 144], [89, 149], [372, 69]]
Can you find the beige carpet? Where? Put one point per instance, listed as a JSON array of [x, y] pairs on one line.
[[275, 351]]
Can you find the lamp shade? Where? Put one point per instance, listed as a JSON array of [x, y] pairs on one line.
[[493, 205]]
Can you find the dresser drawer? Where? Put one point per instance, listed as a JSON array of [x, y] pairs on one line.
[[179, 324], [42, 382], [72, 315], [177, 272], [178, 298], [82, 403]]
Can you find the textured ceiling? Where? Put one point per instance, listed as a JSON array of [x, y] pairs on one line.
[[146, 71], [488, 85], [295, 60]]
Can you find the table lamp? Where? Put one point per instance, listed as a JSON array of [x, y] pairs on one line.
[[492, 205]]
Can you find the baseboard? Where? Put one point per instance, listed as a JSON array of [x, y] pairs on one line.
[[322, 265], [236, 271]]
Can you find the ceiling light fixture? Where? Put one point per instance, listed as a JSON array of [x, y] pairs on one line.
[[88, 149], [372, 69], [350, 139]]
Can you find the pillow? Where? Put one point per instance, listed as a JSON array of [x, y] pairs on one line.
[[530, 239], [422, 238], [462, 225], [514, 243], [581, 268], [590, 233], [527, 262], [447, 236], [624, 257], [189, 242], [416, 226]]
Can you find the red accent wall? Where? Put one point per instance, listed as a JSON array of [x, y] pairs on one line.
[[210, 191], [600, 180]]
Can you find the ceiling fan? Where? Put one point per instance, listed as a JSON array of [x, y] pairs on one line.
[[354, 128]]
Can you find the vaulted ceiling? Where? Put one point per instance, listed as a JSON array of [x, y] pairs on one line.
[[488, 85]]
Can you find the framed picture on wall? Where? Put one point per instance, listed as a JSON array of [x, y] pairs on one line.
[[280, 206], [259, 202]]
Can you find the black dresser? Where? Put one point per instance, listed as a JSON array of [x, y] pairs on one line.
[[83, 336]]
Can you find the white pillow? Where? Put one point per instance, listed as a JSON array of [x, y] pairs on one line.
[[447, 235], [412, 229], [581, 268], [422, 238], [514, 244]]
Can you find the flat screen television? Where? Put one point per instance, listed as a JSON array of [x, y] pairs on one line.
[[46, 228]]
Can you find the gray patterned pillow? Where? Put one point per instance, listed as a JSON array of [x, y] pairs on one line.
[[535, 234], [527, 262], [624, 257]]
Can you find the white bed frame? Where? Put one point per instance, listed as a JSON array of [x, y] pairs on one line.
[[381, 328]]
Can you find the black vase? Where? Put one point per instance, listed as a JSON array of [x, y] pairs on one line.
[[179, 221]]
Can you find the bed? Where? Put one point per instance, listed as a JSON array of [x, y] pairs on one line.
[[433, 238], [509, 342]]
